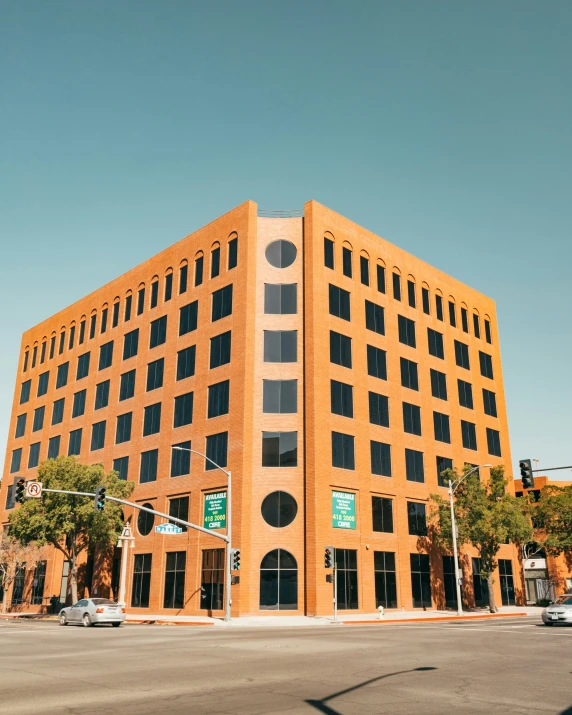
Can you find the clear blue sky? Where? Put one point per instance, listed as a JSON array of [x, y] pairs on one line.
[[443, 126]]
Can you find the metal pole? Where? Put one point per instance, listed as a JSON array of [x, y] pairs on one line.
[[455, 552], [335, 589], [123, 580], [227, 598]]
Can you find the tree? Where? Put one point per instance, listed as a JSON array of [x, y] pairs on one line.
[[13, 556], [552, 519], [70, 523], [487, 517]]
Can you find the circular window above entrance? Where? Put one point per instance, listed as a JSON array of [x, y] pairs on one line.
[[145, 521], [279, 509], [281, 254]]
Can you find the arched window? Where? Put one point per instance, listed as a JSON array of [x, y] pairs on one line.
[[43, 353], [396, 279], [168, 294], [154, 292], [115, 314], [411, 297], [329, 250], [364, 268], [215, 260], [278, 581], [232, 250]]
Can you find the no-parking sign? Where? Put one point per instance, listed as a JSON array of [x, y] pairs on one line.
[[34, 489]]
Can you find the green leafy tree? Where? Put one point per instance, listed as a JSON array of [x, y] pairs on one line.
[[13, 557], [552, 519], [70, 523], [487, 517]]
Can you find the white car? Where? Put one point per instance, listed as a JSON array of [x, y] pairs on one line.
[[560, 611], [90, 611]]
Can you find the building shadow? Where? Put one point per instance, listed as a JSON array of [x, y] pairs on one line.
[[568, 711], [323, 707]]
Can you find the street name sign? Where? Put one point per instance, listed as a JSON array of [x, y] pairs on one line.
[[214, 513], [34, 489], [168, 529], [343, 510]]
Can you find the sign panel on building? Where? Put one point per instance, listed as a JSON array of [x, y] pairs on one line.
[[214, 514], [343, 510], [168, 529]]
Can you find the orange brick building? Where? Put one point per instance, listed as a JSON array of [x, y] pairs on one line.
[[335, 374]]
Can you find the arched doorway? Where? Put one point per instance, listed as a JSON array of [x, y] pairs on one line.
[[278, 581]]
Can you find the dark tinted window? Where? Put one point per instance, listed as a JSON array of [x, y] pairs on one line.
[[281, 254], [420, 580], [25, 391], [174, 593], [340, 349], [155, 374], [78, 407], [58, 411], [145, 522], [82, 366], [374, 318], [279, 449], [411, 418], [38, 422], [121, 466], [123, 429], [411, 294], [179, 508], [130, 344], [435, 341], [103, 324], [376, 362], [74, 446], [62, 375], [218, 399], [452, 314], [380, 458], [158, 334], [490, 403], [183, 278], [279, 509], [406, 331], [183, 410], [215, 262], [462, 355], [279, 396], [464, 320], [280, 299], [20, 426], [382, 513], [347, 262], [152, 419], [220, 350], [92, 326], [154, 294], [97, 436], [493, 442], [439, 307], [128, 304], [342, 402], [280, 346], [441, 427], [443, 463], [168, 287], [102, 395], [378, 409], [414, 470], [34, 456], [396, 286], [106, 355], [364, 270], [385, 579], [425, 301], [328, 253], [486, 363], [339, 302], [43, 381], [127, 385], [465, 394], [409, 377], [469, 435], [148, 468], [16, 461], [181, 459], [380, 279], [54, 447], [343, 454], [232, 253], [416, 519], [222, 303], [188, 318], [438, 384], [199, 263], [488, 335], [217, 448], [186, 362], [476, 326]]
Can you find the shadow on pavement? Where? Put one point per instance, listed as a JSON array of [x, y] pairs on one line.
[[324, 708]]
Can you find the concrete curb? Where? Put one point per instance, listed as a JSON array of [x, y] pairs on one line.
[[434, 619]]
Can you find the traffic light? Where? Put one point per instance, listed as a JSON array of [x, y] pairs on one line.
[[526, 473], [329, 557], [19, 488], [99, 501], [235, 558]]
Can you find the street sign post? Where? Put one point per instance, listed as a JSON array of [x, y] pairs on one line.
[[214, 513], [343, 510], [168, 529], [34, 490]]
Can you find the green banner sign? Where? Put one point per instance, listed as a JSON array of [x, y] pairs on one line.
[[214, 515], [343, 510]]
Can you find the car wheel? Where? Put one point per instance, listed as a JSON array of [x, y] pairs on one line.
[[548, 623], [86, 620], [63, 619], [116, 625]]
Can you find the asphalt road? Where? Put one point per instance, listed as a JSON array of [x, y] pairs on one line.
[[507, 666]]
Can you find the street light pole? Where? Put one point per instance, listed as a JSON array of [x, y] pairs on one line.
[[228, 569]]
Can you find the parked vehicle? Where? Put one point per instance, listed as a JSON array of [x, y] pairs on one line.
[[560, 611], [90, 611]]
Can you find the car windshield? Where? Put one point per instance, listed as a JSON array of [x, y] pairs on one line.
[[566, 600], [101, 601]]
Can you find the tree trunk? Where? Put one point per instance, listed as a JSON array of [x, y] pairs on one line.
[[5, 597], [492, 605], [73, 570]]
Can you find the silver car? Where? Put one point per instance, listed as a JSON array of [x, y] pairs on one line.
[[90, 611], [560, 611]]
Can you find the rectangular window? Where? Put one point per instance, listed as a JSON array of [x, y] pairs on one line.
[[465, 394], [16, 460], [188, 315], [101, 395], [141, 581], [493, 442], [376, 362], [507, 582], [155, 371], [462, 355], [62, 343], [34, 356], [74, 445], [328, 253], [140, 301], [347, 578], [476, 326], [488, 336], [486, 363], [347, 262], [343, 453], [414, 469], [179, 508], [174, 596], [280, 449], [212, 579], [183, 278], [97, 436], [10, 496], [121, 466], [396, 286], [38, 583], [374, 318], [25, 391], [340, 349], [411, 418], [380, 278], [34, 456], [425, 301], [469, 435], [364, 270], [464, 320], [38, 422], [106, 355], [215, 262], [20, 426], [217, 450], [92, 326], [382, 514], [385, 579], [123, 429], [443, 463], [222, 303], [70, 342], [199, 263], [127, 385], [158, 334], [58, 411], [232, 253], [168, 287], [218, 399], [115, 318], [43, 381], [438, 384], [62, 375], [411, 299], [81, 333], [280, 345], [409, 376], [186, 362], [439, 307], [339, 302], [128, 306], [220, 350], [420, 580], [18, 587], [44, 346], [52, 346], [78, 407], [380, 454], [378, 409], [490, 403], [183, 414], [280, 299], [341, 398], [181, 459], [280, 396], [441, 427], [26, 356], [416, 519], [130, 344], [406, 331], [452, 314], [152, 419], [82, 366], [103, 320], [148, 468], [435, 341]]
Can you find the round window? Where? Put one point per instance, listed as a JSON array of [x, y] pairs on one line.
[[279, 509], [281, 254], [145, 521]]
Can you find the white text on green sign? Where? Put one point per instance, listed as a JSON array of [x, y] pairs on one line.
[[343, 510], [214, 515]]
